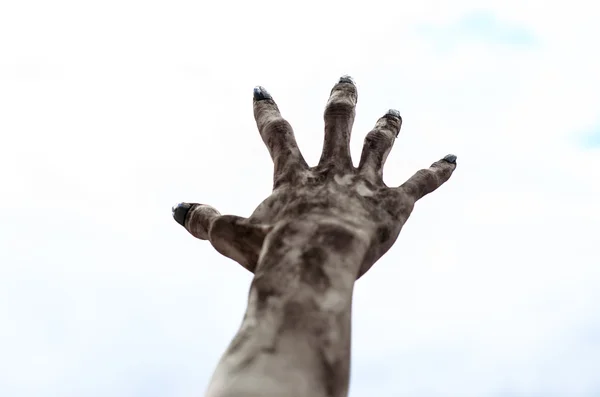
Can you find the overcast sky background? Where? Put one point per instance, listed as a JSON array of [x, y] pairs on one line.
[[111, 112]]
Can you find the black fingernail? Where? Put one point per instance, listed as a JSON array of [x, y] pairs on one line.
[[347, 79], [260, 93], [450, 158], [180, 212], [393, 112]]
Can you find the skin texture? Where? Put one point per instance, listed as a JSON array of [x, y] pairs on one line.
[[320, 230]]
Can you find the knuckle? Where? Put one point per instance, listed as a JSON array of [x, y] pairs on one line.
[[278, 125], [339, 106], [378, 138]]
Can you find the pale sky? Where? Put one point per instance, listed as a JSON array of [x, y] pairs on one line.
[[113, 111]]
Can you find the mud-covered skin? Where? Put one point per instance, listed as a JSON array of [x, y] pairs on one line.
[[321, 229]]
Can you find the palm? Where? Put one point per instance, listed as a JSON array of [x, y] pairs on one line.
[[346, 204]]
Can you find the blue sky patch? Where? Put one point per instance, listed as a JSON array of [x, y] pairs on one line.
[[591, 139], [482, 27]]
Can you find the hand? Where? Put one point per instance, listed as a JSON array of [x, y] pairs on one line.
[[339, 205]]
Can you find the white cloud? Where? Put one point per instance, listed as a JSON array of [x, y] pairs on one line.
[[112, 113]]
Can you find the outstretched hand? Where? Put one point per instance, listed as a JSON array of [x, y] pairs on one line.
[[333, 205]]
